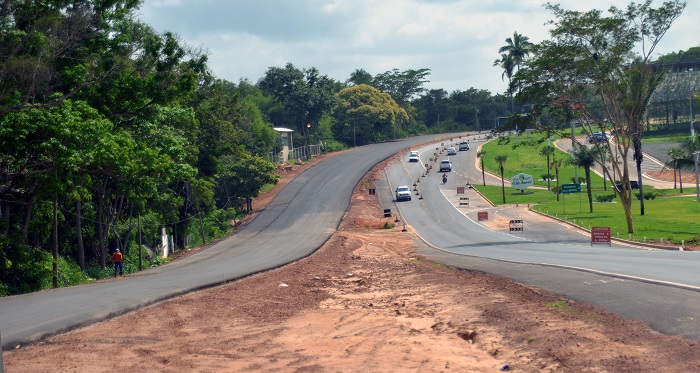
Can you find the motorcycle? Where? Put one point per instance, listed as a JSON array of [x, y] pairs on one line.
[[444, 179]]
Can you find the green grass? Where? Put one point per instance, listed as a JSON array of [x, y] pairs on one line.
[[673, 219], [670, 217], [526, 159]]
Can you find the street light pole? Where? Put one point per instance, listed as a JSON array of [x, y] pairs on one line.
[[690, 100], [697, 182]]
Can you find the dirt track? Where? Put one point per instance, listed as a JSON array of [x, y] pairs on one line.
[[364, 302]]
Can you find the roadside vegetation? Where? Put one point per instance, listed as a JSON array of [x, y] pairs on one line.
[[670, 217], [112, 145]]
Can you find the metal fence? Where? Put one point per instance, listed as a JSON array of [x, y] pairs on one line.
[[301, 153]]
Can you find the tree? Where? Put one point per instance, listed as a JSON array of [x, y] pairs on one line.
[[365, 115], [518, 47], [507, 63], [245, 177], [679, 160], [402, 85], [501, 159], [583, 158], [53, 50], [481, 154], [360, 76], [547, 152], [305, 95], [590, 54]]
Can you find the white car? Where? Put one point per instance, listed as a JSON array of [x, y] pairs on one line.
[[445, 166], [403, 193], [451, 151], [413, 157], [463, 145]]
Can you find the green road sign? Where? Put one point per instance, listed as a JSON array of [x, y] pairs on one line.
[[570, 188]]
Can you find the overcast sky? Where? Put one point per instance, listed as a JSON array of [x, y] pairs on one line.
[[458, 40]]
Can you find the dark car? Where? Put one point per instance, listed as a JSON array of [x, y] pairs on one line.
[[633, 184]]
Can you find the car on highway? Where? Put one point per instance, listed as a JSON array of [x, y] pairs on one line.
[[451, 151], [403, 193], [445, 165], [463, 146], [413, 157]]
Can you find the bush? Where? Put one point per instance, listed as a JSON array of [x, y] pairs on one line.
[[649, 194], [604, 197]]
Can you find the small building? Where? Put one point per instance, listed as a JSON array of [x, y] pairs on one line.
[[287, 143]]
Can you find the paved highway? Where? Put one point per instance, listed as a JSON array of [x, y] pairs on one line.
[[657, 286], [295, 224], [305, 213]]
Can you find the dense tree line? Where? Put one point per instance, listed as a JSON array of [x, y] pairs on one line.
[[108, 127]]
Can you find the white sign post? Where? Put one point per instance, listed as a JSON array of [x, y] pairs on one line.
[[522, 182]]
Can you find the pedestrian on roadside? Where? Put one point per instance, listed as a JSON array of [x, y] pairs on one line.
[[117, 259]]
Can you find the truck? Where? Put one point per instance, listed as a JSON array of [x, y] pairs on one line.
[[403, 193]]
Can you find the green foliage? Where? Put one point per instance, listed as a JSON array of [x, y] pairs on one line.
[[672, 219], [603, 198], [33, 271], [216, 225], [366, 115], [388, 225]]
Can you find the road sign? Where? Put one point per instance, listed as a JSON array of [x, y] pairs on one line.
[[516, 225], [600, 235], [570, 188], [482, 215]]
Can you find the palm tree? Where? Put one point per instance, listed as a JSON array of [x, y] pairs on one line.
[[518, 47], [581, 157], [507, 63], [481, 154], [360, 76], [501, 159], [556, 164], [680, 160], [547, 151]]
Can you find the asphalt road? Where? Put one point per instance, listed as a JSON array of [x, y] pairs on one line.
[[659, 287], [295, 224], [305, 213]]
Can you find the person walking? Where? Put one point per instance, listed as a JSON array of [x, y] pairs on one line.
[[117, 259]]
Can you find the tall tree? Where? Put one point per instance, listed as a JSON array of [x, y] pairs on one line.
[[481, 154], [366, 115], [501, 160], [402, 85], [360, 76], [582, 158], [591, 54], [518, 47], [305, 95], [507, 64]]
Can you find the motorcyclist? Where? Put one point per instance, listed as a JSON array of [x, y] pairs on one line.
[[444, 178]]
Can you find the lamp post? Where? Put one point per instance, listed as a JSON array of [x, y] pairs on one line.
[[476, 115], [690, 101], [696, 154]]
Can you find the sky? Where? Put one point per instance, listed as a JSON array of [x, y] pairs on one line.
[[458, 40]]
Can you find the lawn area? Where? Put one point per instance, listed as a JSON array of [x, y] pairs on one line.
[[669, 217]]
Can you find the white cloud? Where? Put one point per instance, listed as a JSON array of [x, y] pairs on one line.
[[457, 39]]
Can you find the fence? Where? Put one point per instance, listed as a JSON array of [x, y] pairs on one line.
[[301, 153]]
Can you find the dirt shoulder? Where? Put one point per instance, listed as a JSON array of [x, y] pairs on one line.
[[364, 302]]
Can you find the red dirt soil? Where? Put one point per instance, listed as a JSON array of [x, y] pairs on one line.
[[364, 302]]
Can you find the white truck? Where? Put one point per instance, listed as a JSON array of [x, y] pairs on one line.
[[403, 193]]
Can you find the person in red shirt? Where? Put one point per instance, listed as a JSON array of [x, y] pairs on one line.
[[117, 259]]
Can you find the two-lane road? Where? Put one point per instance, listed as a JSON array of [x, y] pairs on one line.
[[295, 224]]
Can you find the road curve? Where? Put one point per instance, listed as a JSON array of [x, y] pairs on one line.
[[295, 224], [659, 287]]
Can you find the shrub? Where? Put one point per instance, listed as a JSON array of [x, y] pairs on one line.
[[388, 225], [649, 195], [604, 197]]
